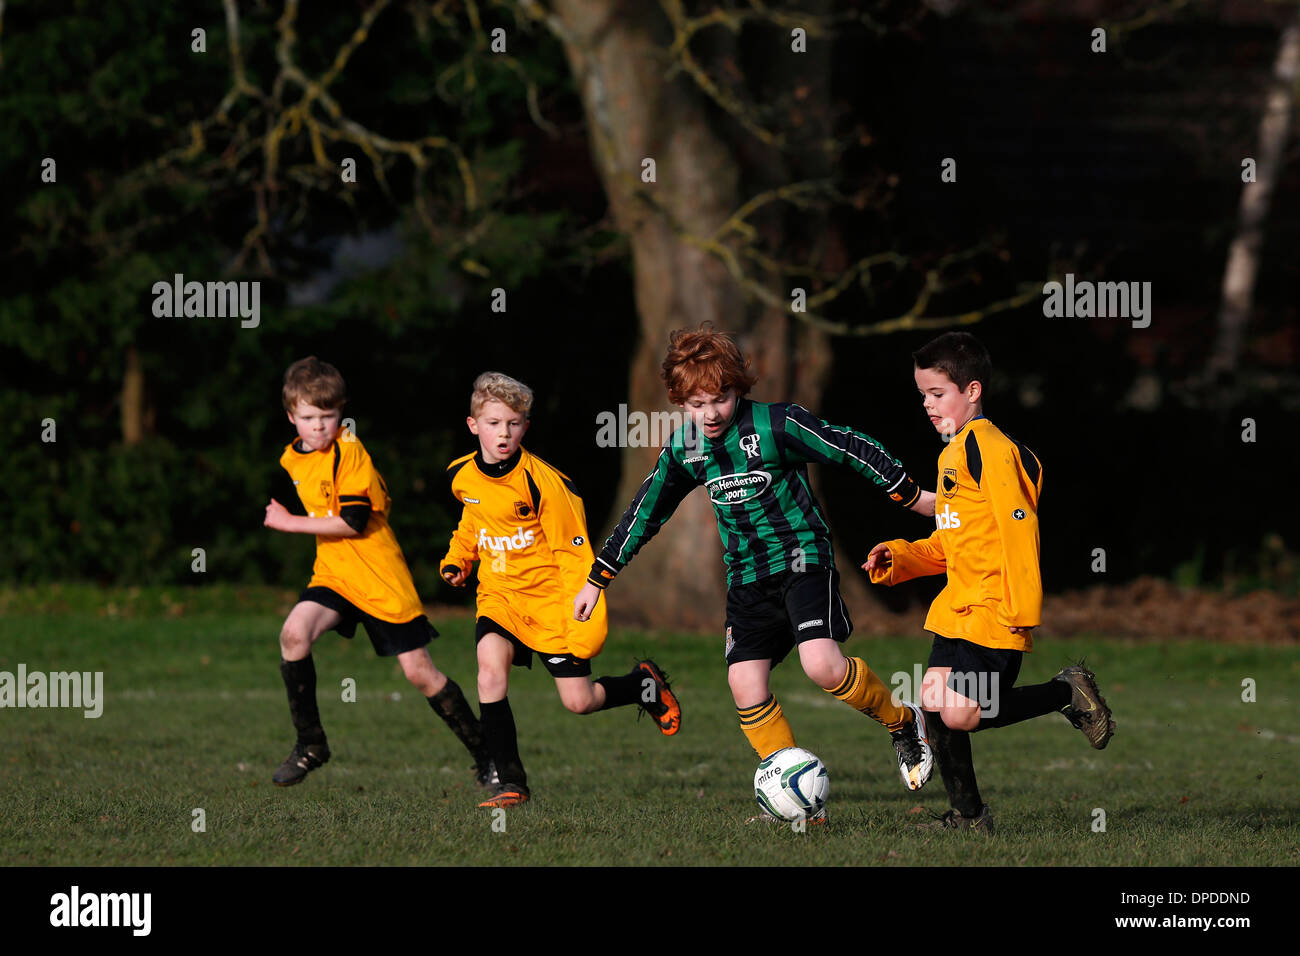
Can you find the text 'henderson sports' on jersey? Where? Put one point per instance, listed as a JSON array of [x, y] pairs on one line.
[[757, 478], [526, 526], [986, 538], [369, 570]]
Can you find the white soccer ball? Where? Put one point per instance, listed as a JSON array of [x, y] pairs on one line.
[[792, 784]]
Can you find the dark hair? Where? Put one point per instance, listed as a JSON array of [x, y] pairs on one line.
[[960, 356]]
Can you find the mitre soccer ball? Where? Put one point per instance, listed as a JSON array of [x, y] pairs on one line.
[[792, 784]]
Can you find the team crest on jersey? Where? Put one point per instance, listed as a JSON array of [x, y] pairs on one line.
[[749, 445], [326, 486], [949, 482], [523, 510]]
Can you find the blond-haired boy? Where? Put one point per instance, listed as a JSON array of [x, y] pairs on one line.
[[524, 522]]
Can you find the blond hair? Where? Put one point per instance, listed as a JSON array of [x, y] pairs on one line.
[[496, 387]]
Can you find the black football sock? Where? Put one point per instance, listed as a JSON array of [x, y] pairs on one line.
[[622, 691], [502, 741], [1024, 703], [450, 704], [952, 751], [300, 682]]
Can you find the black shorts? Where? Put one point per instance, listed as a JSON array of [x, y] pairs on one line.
[[389, 639], [558, 665], [979, 673], [767, 618]]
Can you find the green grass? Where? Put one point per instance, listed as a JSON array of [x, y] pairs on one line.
[[195, 717]]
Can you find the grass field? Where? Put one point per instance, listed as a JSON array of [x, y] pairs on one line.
[[194, 717]]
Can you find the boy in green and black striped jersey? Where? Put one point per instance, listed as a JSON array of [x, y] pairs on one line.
[[782, 586]]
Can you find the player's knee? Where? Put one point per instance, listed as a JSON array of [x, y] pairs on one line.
[[576, 705], [492, 684], [421, 674], [295, 641], [961, 718], [825, 674]]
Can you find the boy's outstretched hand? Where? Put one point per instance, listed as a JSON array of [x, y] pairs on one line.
[[276, 516], [454, 575], [585, 602], [879, 558]]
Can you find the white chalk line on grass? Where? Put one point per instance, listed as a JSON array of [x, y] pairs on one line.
[[152, 694]]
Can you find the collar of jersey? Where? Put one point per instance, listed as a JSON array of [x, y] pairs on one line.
[[501, 468], [297, 446]]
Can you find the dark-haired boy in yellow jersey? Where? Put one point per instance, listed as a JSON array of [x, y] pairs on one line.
[[525, 524], [986, 540], [360, 575]]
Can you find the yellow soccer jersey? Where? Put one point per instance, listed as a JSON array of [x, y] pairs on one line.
[[525, 524], [986, 512], [369, 570]]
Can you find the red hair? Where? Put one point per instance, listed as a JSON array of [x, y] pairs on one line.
[[704, 361]]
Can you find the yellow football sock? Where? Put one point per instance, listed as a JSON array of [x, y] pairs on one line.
[[864, 691], [766, 727]]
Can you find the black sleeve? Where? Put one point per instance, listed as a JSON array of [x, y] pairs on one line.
[[355, 510], [805, 437]]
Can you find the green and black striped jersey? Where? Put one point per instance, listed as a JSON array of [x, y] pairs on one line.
[[756, 474]]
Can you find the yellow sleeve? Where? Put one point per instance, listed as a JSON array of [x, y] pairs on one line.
[[356, 480], [564, 522], [1016, 513], [911, 559], [462, 550]]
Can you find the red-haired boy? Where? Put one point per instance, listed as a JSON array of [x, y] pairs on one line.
[[783, 589]]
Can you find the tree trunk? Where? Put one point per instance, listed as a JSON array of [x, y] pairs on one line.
[[132, 399], [1243, 255], [616, 49]]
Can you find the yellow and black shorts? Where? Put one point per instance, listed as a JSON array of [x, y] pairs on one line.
[[558, 664], [387, 638]]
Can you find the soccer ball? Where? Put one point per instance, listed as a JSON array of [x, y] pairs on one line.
[[792, 784]]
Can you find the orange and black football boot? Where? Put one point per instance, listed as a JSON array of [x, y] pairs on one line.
[[507, 795], [664, 708]]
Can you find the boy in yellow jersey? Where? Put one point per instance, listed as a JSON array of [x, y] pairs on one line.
[[987, 542], [524, 523], [360, 575]]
